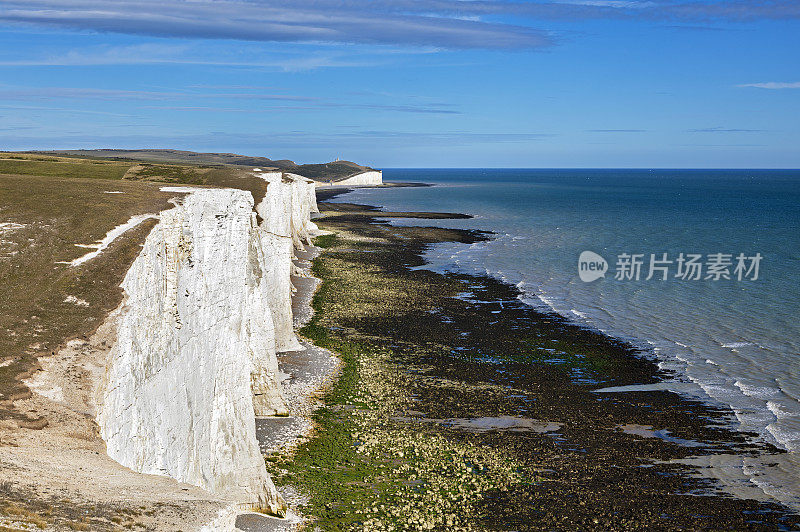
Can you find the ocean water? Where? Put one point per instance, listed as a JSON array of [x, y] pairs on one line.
[[727, 340]]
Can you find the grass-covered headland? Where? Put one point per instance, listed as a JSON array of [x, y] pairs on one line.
[[49, 207], [461, 408]]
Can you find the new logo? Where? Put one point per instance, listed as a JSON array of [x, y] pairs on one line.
[[591, 266]]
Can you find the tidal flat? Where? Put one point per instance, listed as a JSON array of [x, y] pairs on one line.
[[403, 442]]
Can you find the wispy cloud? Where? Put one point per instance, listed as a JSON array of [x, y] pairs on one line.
[[467, 137], [218, 109], [243, 100], [774, 85], [418, 23], [88, 93], [616, 130], [54, 93], [276, 144], [723, 130], [722, 145], [234, 87], [194, 53], [66, 110], [103, 55], [665, 10], [417, 109], [439, 109], [687, 27], [443, 24]]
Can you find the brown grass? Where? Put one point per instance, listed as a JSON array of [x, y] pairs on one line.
[[23, 514], [62, 514], [55, 214]]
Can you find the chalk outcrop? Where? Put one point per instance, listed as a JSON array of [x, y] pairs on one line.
[[207, 306], [369, 178]]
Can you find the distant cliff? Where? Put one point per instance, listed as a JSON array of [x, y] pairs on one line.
[[368, 178]]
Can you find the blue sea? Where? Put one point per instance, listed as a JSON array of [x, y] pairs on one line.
[[734, 340]]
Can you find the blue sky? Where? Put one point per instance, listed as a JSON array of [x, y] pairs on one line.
[[410, 83]]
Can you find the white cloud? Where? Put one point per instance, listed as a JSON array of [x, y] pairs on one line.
[[774, 85], [451, 24], [322, 21], [244, 55]]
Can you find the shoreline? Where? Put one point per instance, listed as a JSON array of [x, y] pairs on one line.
[[725, 362], [622, 444], [305, 374], [771, 477]]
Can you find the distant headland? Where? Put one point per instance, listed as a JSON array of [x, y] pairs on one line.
[[335, 172]]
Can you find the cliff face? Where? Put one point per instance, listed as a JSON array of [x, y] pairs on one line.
[[303, 204], [372, 177], [207, 304], [276, 211]]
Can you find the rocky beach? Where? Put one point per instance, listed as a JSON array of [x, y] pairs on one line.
[[452, 412]]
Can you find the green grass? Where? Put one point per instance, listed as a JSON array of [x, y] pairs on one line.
[[333, 171], [328, 466], [54, 167], [325, 241], [171, 173]]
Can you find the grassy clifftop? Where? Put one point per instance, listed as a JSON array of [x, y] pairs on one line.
[[332, 171], [51, 207], [25, 164]]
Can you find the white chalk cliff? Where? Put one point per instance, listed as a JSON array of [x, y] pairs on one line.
[[285, 211], [368, 178], [207, 305]]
